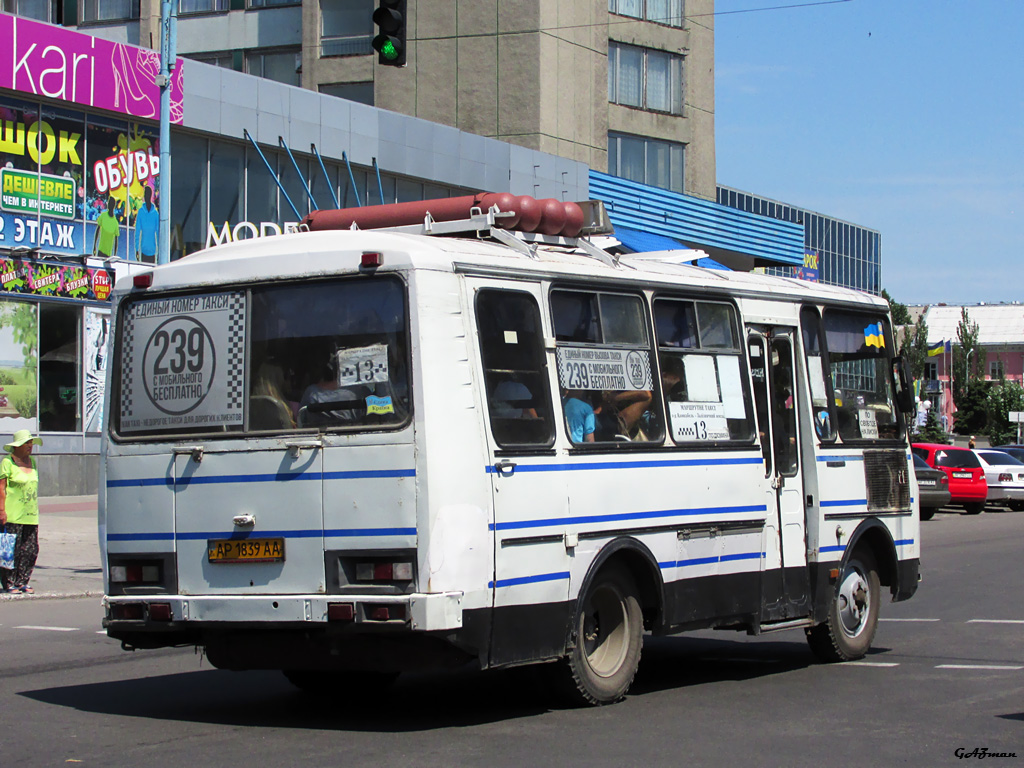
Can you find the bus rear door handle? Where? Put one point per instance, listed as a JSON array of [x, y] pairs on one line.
[[296, 447], [505, 468]]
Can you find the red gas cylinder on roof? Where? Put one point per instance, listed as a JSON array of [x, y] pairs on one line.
[[547, 217]]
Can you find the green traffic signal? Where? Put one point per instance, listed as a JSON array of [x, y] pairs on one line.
[[388, 51]]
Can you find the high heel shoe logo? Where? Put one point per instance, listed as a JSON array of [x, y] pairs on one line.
[[129, 91]]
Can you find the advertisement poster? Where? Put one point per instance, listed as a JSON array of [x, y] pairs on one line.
[[19, 331], [183, 363], [74, 185], [97, 336], [588, 368]]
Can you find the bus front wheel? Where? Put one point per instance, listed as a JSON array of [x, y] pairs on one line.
[[853, 614], [609, 636]]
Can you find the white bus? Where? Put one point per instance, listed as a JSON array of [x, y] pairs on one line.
[[346, 454]]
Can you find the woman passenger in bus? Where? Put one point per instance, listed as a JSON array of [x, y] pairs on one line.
[[579, 416]]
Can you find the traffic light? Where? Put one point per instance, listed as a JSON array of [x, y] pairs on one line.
[[390, 18]]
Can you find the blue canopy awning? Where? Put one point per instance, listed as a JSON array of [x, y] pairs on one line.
[[642, 242]]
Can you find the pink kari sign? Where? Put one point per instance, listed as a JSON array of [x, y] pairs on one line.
[[39, 59]]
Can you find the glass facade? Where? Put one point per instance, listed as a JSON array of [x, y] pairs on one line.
[[227, 182], [835, 252]]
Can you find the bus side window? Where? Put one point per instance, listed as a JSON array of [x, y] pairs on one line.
[[515, 375], [822, 405], [605, 367], [702, 381]]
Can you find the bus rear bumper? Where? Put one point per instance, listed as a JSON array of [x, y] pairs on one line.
[[187, 613]]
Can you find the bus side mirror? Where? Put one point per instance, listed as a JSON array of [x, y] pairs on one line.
[[904, 391]]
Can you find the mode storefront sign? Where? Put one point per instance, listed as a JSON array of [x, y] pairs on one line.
[[74, 182]]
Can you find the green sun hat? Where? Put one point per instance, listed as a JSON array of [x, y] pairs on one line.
[[21, 437]]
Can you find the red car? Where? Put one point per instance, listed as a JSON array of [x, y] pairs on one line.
[[967, 485]]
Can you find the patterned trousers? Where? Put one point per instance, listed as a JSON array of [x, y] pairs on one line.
[[26, 550]]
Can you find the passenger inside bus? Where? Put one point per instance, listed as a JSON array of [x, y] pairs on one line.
[[580, 416]]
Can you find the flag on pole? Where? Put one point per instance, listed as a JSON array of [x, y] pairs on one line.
[[936, 349]]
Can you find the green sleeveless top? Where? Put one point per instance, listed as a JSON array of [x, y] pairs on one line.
[[22, 505]]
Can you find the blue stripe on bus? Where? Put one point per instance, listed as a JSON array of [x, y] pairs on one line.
[[277, 477], [287, 534], [841, 547], [711, 560], [515, 582], [544, 522], [845, 503], [831, 457], [651, 464]]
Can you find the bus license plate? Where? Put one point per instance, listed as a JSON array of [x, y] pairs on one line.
[[246, 550], [962, 475]]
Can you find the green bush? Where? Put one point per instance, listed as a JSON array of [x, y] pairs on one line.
[[25, 404]]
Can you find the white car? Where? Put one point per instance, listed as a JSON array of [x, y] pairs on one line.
[[1005, 476]]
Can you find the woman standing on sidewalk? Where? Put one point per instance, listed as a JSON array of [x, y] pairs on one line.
[[19, 509]]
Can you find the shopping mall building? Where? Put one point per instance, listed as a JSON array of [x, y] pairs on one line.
[[249, 156]]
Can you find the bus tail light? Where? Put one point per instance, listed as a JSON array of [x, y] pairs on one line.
[[135, 573], [371, 260], [341, 612], [401, 571], [160, 612], [142, 279], [128, 611]]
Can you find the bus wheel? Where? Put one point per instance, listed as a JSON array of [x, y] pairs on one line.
[[853, 615], [322, 682], [609, 636]]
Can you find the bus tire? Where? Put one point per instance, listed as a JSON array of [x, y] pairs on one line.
[[323, 682], [974, 508], [608, 638], [852, 615]]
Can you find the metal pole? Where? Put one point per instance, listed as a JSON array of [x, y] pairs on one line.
[[168, 48], [330, 186], [284, 145]]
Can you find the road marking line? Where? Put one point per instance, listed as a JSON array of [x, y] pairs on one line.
[[979, 666], [870, 664], [909, 620], [49, 629], [995, 621]]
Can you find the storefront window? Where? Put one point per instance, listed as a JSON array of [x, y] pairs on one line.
[[189, 221], [59, 371], [19, 343], [260, 187], [227, 183]]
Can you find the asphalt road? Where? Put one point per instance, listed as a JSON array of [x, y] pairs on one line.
[[946, 673]]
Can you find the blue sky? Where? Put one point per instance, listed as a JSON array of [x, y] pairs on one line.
[[905, 116]]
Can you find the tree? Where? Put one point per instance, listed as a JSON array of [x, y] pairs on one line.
[[932, 431], [900, 313], [1006, 396], [969, 388], [914, 347]]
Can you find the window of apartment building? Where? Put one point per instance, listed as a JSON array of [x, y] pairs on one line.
[[645, 78], [668, 12], [40, 10], [931, 371], [361, 92], [346, 27], [271, 3], [648, 161], [995, 369], [226, 59], [202, 6], [282, 66], [110, 10]]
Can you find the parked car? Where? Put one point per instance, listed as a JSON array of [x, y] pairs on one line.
[[1017, 451], [967, 485], [1005, 477], [932, 486]]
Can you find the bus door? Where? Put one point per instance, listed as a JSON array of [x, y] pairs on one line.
[[249, 519], [529, 492], [786, 577]]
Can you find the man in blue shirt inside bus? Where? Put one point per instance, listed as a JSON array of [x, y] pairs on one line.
[[147, 224], [579, 415]]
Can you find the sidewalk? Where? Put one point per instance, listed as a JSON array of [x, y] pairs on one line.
[[69, 551]]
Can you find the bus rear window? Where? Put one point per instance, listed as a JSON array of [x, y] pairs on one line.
[[323, 355]]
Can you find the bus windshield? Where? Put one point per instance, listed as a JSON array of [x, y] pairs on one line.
[[859, 354], [329, 355]]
